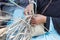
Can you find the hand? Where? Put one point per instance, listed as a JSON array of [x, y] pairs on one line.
[[38, 19], [28, 9]]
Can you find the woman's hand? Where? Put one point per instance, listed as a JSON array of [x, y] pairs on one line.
[[28, 9], [38, 19]]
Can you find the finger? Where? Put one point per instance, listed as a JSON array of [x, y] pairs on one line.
[[32, 18], [33, 22], [28, 16], [30, 11], [26, 11]]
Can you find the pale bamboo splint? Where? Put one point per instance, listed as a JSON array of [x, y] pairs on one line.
[[3, 31]]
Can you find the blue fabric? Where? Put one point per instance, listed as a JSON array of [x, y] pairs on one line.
[[18, 13]]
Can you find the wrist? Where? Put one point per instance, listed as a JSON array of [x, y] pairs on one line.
[[44, 19]]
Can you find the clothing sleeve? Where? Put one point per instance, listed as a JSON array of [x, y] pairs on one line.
[[56, 23], [41, 4]]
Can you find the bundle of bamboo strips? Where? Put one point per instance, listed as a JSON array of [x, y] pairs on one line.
[[4, 18]]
